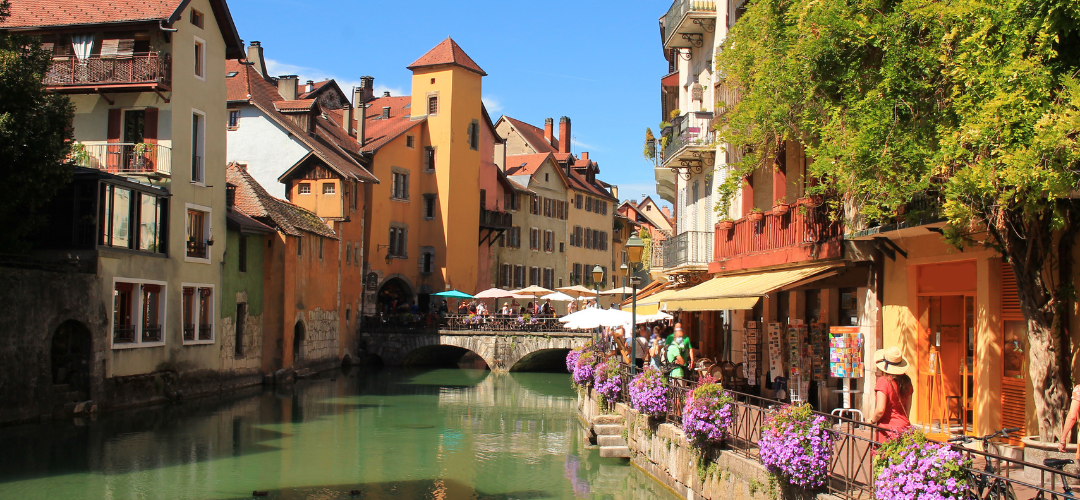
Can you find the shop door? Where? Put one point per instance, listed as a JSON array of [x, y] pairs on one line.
[[949, 331]]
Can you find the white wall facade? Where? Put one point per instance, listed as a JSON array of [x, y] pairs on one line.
[[265, 147]]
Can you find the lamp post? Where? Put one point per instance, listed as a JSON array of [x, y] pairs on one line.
[[634, 248], [597, 277]]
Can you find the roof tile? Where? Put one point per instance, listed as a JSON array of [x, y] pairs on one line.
[[252, 200], [447, 52]]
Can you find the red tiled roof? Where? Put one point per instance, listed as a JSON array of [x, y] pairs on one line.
[[248, 84], [447, 52], [297, 105], [315, 88], [235, 219], [534, 136], [54, 13], [379, 131], [525, 164], [255, 202]]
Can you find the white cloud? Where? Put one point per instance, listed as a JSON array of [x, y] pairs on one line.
[[277, 68], [583, 146], [493, 105]]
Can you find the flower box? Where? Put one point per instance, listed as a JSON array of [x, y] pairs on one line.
[[781, 208], [725, 225], [755, 217]]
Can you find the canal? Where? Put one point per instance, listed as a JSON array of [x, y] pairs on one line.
[[432, 433]]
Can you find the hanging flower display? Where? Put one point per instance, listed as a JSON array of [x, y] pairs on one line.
[[608, 379], [708, 414], [910, 467], [571, 359], [649, 392], [585, 365], [796, 445]]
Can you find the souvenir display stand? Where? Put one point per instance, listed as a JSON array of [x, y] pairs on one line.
[[846, 363]]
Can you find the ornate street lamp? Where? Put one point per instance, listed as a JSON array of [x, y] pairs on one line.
[[634, 248]]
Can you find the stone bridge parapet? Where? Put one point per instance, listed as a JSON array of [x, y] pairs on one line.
[[500, 350]]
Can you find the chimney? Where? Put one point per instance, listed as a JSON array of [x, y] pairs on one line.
[[585, 156], [667, 212], [346, 117], [255, 57], [309, 86], [286, 86], [548, 131], [615, 192], [386, 93], [367, 88], [564, 135], [358, 101]]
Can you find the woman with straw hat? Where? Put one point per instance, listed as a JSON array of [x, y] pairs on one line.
[[893, 392]]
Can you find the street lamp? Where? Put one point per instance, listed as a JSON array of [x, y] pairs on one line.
[[597, 277], [634, 248]]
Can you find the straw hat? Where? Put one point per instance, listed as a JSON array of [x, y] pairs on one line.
[[890, 360]]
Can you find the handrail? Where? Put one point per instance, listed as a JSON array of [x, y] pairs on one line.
[[142, 67], [678, 10], [124, 158]]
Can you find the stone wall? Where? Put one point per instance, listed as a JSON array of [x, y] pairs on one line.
[[662, 450], [321, 337], [251, 354]]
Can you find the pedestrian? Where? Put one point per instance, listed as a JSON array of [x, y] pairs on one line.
[[546, 309], [641, 346], [686, 347], [506, 309], [893, 393], [677, 353], [530, 308], [656, 342], [571, 308], [1070, 421], [463, 308]]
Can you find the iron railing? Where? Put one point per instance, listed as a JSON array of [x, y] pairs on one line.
[[123, 334], [197, 249], [678, 11], [124, 158], [496, 220], [727, 96], [206, 331], [855, 443], [432, 323], [151, 333], [687, 248], [189, 331], [689, 129], [139, 68]]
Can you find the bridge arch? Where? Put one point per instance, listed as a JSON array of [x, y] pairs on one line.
[[500, 350], [437, 354], [542, 360]]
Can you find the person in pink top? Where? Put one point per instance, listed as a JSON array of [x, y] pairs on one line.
[[893, 392], [1070, 421]]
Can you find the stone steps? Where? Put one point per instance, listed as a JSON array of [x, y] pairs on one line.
[[615, 452], [608, 429], [610, 440]]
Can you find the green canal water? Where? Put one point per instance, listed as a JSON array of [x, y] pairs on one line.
[[432, 434]]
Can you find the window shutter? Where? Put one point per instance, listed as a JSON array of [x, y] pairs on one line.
[[115, 122], [109, 48], [150, 125]]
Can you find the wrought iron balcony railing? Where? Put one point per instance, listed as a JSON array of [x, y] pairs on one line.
[[491, 219], [691, 248], [686, 20], [688, 131], [124, 158], [68, 73]]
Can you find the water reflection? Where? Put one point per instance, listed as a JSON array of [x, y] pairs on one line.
[[441, 434]]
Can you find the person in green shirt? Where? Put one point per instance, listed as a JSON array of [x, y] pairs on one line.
[[688, 350], [679, 352]]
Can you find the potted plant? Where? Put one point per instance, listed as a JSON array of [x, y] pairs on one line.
[[755, 215], [725, 224], [79, 155], [708, 414], [585, 365], [797, 446], [910, 466], [139, 158], [649, 393], [781, 206], [809, 200], [608, 380]]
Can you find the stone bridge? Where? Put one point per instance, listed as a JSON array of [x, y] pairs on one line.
[[501, 350]]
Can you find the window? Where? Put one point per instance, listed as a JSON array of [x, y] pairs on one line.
[[562, 247], [399, 190], [200, 59], [234, 119], [575, 276], [299, 246], [427, 261], [138, 313], [304, 188], [483, 198], [515, 237], [578, 201], [410, 141], [320, 246], [519, 276], [549, 241], [198, 232], [348, 254], [241, 253], [196, 18], [588, 204], [506, 276], [534, 276], [429, 206], [534, 239], [429, 164], [241, 318], [547, 207], [398, 239], [474, 135], [198, 309], [328, 188], [433, 105], [356, 254], [588, 239], [535, 208], [549, 278], [120, 208]]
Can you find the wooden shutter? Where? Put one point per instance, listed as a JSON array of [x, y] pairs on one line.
[[150, 125], [1013, 390], [115, 123], [109, 48]]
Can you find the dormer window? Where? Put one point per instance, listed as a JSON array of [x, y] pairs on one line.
[[385, 112]]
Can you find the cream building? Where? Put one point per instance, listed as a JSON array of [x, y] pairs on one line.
[[533, 252]]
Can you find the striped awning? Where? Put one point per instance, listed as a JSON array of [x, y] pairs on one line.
[[739, 291]]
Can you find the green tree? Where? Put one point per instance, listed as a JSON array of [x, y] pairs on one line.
[[974, 102], [35, 135]]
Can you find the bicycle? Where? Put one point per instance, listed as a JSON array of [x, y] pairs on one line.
[[1059, 464], [989, 485]]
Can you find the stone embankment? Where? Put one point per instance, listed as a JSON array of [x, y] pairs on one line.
[[662, 450]]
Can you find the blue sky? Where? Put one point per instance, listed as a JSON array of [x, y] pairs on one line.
[[599, 63]]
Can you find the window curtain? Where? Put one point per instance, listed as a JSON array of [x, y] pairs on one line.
[[82, 43]]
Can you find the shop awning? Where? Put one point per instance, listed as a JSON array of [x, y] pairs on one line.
[[739, 291], [653, 303], [644, 309]]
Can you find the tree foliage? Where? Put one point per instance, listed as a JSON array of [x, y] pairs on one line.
[[976, 103], [35, 135]]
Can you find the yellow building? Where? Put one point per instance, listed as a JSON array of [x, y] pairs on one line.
[[533, 252]]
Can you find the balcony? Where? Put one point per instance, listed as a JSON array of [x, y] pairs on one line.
[[804, 232], [491, 219], [124, 158], [145, 71], [687, 21], [690, 142], [728, 95], [688, 251]]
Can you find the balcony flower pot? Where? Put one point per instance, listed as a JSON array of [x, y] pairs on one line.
[[781, 208], [755, 217], [810, 201], [725, 225]]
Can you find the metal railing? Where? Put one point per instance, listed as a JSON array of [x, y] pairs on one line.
[[124, 158], [855, 443], [206, 331], [123, 334], [151, 333], [432, 323], [197, 249], [143, 67], [689, 129], [728, 96], [687, 248], [678, 11], [189, 332], [801, 224], [494, 219]]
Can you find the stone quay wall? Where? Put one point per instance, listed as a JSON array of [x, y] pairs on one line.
[[662, 450]]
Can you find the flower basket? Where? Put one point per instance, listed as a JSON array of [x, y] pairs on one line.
[[755, 217], [649, 393], [725, 225], [781, 208], [585, 365], [708, 415], [797, 446], [608, 380], [911, 467], [809, 201]]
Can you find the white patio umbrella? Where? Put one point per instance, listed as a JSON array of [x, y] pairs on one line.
[[494, 293], [592, 318], [624, 290], [577, 291], [559, 296], [533, 291], [660, 316]]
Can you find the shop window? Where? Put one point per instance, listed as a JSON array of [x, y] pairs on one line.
[[849, 307]]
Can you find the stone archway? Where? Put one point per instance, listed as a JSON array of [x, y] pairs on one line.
[[542, 360], [299, 330], [394, 296], [71, 353]]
